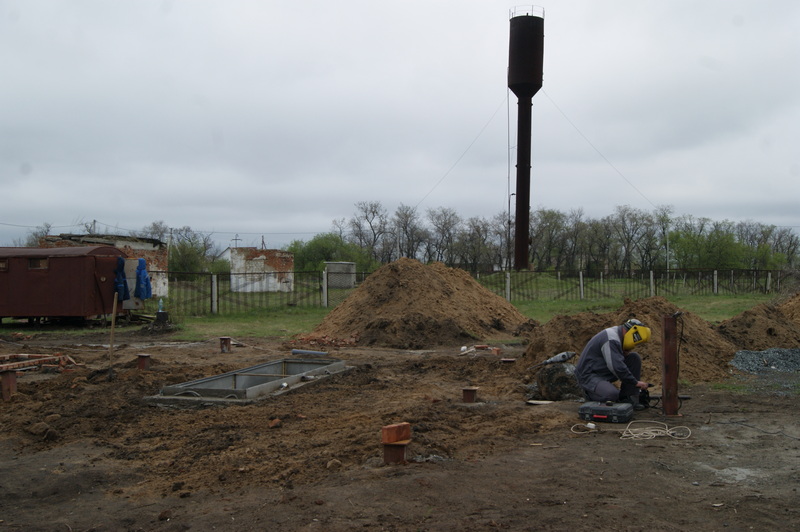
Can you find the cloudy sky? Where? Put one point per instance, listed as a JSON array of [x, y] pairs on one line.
[[273, 118]]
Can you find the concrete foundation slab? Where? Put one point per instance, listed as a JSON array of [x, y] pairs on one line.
[[249, 384]]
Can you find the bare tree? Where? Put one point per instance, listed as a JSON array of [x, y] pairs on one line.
[[663, 218], [473, 245], [547, 238], [445, 223], [574, 231], [786, 243], [409, 232], [158, 230], [35, 236], [629, 224], [501, 240], [339, 227], [368, 226]]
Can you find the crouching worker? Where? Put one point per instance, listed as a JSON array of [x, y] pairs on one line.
[[609, 357]]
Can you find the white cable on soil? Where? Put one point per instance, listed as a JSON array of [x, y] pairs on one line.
[[580, 428], [653, 430]]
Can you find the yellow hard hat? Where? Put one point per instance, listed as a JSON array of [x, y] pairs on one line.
[[635, 333]]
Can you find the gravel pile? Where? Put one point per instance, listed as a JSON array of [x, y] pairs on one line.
[[773, 359]]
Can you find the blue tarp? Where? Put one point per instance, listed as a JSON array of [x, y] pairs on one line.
[[143, 289], [120, 282]]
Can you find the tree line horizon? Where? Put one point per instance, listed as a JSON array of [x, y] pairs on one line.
[[629, 239]]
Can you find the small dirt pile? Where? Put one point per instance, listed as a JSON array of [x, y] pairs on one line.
[[704, 354], [408, 305]]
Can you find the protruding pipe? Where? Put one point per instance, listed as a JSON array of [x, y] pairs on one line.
[[669, 352], [143, 362], [469, 394], [225, 344], [8, 380]]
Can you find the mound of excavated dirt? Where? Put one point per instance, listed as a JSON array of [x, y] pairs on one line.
[[791, 307], [408, 305], [764, 326], [704, 354]]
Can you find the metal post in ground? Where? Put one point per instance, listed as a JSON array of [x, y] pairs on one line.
[[669, 352], [8, 379]]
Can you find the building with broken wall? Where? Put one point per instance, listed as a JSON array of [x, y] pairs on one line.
[[261, 270]]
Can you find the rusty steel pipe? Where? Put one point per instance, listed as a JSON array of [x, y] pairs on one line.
[[9, 384], [143, 362], [669, 354]]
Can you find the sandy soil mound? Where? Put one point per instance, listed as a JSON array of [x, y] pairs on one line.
[[704, 354], [764, 326], [408, 305], [791, 307]]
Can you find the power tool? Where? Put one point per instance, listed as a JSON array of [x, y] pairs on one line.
[[557, 359]]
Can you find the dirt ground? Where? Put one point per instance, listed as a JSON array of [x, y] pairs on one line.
[[82, 450]]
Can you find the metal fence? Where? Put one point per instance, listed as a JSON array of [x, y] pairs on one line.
[[528, 286], [199, 294]]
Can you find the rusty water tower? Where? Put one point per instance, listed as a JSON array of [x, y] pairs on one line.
[[525, 60]]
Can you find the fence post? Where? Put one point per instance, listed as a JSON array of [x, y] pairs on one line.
[[652, 284], [214, 294], [769, 281], [716, 285], [580, 275], [325, 288], [508, 287]]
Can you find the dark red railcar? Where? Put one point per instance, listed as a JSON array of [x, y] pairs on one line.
[[57, 282]]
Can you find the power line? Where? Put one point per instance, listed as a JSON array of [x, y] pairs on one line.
[[463, 154], [595, 148]]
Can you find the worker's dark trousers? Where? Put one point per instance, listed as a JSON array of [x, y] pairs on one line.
[[605, 391]]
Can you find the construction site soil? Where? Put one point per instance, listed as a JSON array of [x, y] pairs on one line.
[[81, 449]]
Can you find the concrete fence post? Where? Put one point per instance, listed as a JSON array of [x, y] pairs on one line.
[[508, 286], [325, 288], [214, 294]]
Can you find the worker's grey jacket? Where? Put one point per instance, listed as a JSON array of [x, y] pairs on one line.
[[603, 360]]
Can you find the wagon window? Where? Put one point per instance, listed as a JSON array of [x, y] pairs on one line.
[[37, 264], [3, 265]]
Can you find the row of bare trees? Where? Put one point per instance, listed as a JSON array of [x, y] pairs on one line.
[[626, 240], [629, 239]]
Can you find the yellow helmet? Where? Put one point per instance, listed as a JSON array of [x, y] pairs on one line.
[[635, 333]]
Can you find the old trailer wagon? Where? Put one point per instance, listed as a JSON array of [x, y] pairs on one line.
[[75, 282]]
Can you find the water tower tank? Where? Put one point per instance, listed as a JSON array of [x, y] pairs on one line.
[[526, 53]]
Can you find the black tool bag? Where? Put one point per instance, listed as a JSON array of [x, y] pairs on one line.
[[613, 413]]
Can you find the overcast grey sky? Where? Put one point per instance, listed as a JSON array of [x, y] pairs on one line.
[[274, 117]]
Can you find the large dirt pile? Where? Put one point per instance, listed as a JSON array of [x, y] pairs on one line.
[[791, 307], [408, 305], [704, 354], [765, 326]]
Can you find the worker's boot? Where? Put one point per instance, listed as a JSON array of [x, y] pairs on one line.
[[637, 405]]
